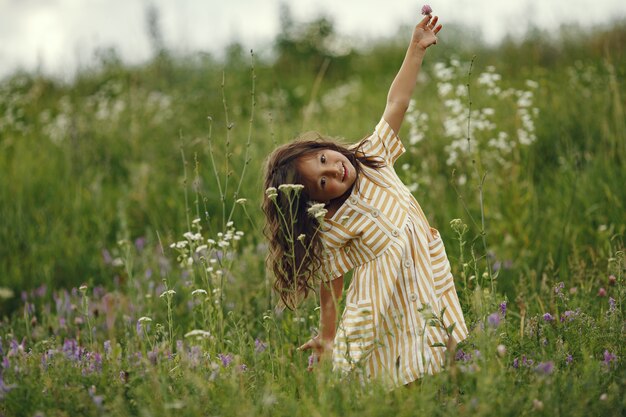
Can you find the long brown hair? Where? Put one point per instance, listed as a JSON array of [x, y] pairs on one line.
[[306, 259]]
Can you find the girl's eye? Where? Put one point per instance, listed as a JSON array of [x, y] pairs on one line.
[[323, 182], [323, 159]]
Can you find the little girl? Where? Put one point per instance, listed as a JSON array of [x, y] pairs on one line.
[[402, 310]]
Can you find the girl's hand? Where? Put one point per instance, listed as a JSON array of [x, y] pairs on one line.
[[425, 33], [320, 349]]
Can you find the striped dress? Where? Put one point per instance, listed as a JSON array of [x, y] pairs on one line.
[[401, 276]]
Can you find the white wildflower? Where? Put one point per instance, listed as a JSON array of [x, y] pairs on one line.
[[198, 291], [197, 332], [144, 319], [167, 293], [201, 248]]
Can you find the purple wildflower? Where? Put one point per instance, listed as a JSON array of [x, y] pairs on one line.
[[179, 346], [462, 356], [259, 346], [426, 9], [40, 291], [107, 347], [545, 368], [609, 358], [106, 257], [226, 359], [4, 388], [503, 309], [140, 243], [243, 367], [569, 359], [611, 304], [516, 363], [312, 360], [548, 317], [559, 287], [194, 356], [527, 362], [97, 399], [567, 315], [152, 357], [494, 320]]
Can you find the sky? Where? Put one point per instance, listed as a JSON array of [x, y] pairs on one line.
[[59, 36]]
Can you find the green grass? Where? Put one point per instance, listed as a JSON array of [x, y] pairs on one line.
[[99, 176]]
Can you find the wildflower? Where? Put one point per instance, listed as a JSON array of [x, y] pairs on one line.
[[226, 359], [545, 368], [609, 358], [107, 347], [196, 221], [271, 193], [558, 287], [503, 309], [426, 9], [567, 315], [601, 292], [312, 360], [612, 280], [198, 291], [537, 405], [288, 188], [494, 320], [301, 237], [259, 346], [604, 396], [462, 356], [611, 304], [548, 317], [241, 201], [168, 292], [501, 349], [318, 211], [201, 248], [569, 359], [144, 319], [516, 363], [140, 243], [196, 332]]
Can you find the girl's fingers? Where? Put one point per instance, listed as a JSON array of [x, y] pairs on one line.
[[306, 346], [437, 29], [433, 22], [424, 21]]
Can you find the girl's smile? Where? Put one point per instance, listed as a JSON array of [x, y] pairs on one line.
[[327, 174]]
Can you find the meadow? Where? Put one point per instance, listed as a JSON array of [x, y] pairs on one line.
[[132, 275]]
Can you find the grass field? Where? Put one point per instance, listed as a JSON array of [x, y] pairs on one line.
[[132, 278]]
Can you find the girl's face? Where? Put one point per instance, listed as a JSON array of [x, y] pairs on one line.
[[327, 174]]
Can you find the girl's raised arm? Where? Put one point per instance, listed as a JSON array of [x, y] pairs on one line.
[[403, 84]]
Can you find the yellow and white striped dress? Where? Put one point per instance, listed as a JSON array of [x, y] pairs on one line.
[[401, 275]]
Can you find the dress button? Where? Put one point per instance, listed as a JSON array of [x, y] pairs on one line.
[[353, 200], [395, 232], [375, 213], [407, 263], [413, 297]]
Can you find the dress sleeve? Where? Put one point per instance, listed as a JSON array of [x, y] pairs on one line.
[[385, 143], [339, 255]]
